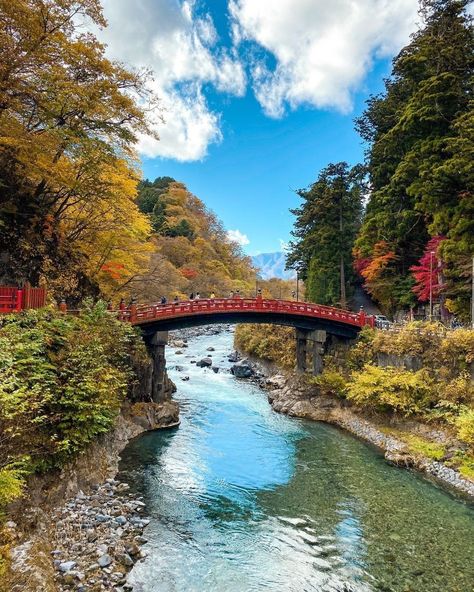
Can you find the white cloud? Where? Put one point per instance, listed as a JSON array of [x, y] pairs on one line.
[[316, 53], [182, 50], [323, 50], [238, 237]]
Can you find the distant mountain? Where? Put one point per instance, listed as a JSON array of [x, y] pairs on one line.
[[272, 265]]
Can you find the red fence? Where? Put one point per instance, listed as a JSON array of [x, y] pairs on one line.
[[16, 299], [145, 313]]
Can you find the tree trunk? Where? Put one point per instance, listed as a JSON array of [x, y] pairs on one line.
[[343, 273]]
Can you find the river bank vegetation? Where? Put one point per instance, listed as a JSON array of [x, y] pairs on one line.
[[422, 372], [63, 380], [417, 229]]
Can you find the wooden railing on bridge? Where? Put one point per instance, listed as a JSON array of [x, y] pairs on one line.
[[14, 299], [141, 314]]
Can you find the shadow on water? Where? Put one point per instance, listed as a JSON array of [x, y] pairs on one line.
[[242, 499]]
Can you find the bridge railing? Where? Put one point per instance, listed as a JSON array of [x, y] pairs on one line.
[[138, 314], [14, 299]]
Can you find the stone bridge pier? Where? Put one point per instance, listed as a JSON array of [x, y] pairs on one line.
[[156, 343], [310, 344]]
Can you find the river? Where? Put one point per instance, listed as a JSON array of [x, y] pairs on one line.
[[243, 499]]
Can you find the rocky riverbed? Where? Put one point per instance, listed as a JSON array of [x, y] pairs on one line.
[[242, 367], [80, 530], [97, 538]]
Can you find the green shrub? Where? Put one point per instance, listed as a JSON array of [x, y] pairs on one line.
[[330, 382], [465, 426], [390, 389], [11, 485], [268, 342], [62, 381], [416, 339], [362, 352]]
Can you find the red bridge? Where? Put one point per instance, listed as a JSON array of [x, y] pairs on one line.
[[302, 315], [13, 299], [313, 323]]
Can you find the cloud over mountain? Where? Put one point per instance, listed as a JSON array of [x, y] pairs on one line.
[[272, 265]]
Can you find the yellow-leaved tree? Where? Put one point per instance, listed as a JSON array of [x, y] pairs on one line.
[[69, 119]]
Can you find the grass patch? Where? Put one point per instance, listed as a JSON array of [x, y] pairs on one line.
[[418, 446], [424, 447], [464, 463]]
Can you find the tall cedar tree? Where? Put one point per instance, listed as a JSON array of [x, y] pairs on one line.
[[325, 229], [420, 134]]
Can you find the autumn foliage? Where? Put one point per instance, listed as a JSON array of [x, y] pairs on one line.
[[69, 119], [428, 272], [191, 250]]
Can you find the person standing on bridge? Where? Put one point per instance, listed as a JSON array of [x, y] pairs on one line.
[[163, 300], [212, 296], [191, 296], [198, 296]]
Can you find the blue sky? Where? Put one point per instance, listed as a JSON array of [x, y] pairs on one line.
[[257, 96], [249, 177]]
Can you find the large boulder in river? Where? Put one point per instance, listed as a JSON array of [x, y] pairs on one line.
[[179, 343], [242, 369], [234, 357], [204, 363]]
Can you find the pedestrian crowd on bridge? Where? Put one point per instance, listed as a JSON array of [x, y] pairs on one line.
[[212, 296]]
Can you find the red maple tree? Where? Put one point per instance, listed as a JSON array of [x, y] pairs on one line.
[[428, 271]]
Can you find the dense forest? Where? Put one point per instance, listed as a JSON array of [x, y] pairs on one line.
[[73, 214], [191, 251], [417, 230]]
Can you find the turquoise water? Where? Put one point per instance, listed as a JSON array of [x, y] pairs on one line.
[[243, 499]]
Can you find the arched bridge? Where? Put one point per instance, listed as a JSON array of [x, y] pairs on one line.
[[312, 323], [301, 315]]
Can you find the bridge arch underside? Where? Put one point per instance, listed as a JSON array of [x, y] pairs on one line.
[[332, 327]]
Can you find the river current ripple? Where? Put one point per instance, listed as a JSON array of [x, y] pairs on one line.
[[242, 499]]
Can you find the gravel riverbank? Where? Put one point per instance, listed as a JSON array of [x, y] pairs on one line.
[[97, 538]]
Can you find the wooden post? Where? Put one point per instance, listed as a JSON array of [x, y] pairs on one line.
[[19, 300], [122, 308], [27, 296]]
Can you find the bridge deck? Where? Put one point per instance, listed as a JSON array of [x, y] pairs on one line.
[[145, 314]]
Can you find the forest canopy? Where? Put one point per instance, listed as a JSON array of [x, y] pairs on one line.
[[417, 232], [73, 212], [191, 250], [420, 140]]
